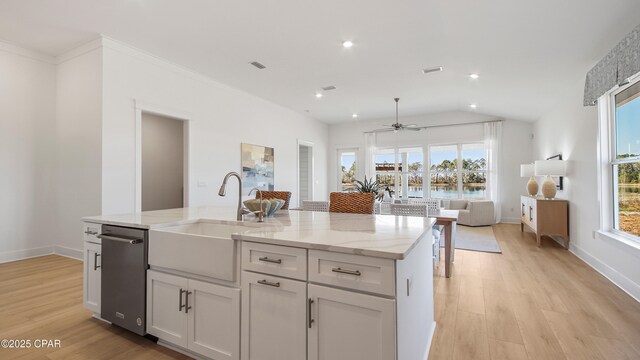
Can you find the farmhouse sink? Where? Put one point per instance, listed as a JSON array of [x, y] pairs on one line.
[[202, 248]]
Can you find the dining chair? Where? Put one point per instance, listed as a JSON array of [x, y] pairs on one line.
[[409, 210], [314, 205], [354, 203], [282, 195]]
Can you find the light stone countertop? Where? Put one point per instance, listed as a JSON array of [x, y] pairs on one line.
[[385, 236]]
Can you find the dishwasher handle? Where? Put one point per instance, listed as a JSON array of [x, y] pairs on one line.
[[121, 238]]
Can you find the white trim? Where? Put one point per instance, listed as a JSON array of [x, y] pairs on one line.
[[20, 51], [9, 256], [610, 273], [505, 220], [312, 170], [80, 50], [148, 108], [68, 252]]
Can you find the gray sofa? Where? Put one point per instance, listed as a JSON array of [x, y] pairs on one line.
[[473, 212]]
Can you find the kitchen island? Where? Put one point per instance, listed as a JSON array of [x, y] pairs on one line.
[[301, 285]]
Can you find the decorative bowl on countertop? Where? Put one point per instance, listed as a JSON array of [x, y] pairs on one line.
[[276, 204], [254, 205]]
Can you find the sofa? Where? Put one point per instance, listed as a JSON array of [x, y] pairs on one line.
[[473, 212]]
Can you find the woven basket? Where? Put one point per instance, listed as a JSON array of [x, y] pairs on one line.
[[282, 195], [354, 203]]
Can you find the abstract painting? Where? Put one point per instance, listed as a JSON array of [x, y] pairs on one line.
[[257, 168]]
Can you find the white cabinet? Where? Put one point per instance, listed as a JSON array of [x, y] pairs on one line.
[[92, 276], [274, 318], [195, 315], [166, 318], [350, 326]]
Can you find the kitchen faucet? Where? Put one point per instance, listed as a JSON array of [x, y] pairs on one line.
[[241, 211], [261, 211]]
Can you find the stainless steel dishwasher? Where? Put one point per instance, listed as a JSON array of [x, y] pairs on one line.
[[124, 277]]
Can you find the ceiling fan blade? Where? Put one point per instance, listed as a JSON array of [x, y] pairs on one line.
[[383, 130], [410, 125], [412, 128]]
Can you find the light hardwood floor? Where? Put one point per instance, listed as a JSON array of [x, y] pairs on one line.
[[531, 303], [527, 303]]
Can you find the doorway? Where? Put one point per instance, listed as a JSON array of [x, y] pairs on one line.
[[162, 162], [305, 171]]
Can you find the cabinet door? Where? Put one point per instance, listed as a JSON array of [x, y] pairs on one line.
[[274, 318], [92, 276], [350, 326], [214, 320], [166, 319]]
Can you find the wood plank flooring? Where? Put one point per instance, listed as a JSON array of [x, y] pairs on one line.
[[531, 303], [526, 303]]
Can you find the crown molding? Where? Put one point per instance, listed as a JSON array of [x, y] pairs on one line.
[[85, 48], [20, 51]]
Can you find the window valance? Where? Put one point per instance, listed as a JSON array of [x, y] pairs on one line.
[[621, 62]]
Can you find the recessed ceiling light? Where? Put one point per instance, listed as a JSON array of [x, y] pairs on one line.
[[347, 44], [474, 76], [318, 95], [473, 106], [430, 70], [355, 115]]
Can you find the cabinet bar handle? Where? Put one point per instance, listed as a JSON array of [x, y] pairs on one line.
[[346, 271], [95, 261], [181, 305], [266, 259], [186, 300], [309, 316], [530, 216], [265, 282], [522, 209]]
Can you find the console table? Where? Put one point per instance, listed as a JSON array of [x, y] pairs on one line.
[[545, 217]]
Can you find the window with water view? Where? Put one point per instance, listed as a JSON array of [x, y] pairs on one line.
[[450, 181], [410, 168], [626, 165]]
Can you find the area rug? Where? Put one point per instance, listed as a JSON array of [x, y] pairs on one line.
[[476, 239]]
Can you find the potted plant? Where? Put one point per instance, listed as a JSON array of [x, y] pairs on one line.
[[368, 186]]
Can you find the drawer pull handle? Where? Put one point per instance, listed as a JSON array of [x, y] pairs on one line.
[[530, 213], [309, 312], [266, 259], [95, 261], [266, 282], [180, 304], [346, 271]]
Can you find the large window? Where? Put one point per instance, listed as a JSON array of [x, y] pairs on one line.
[[347, 159], [625, 161], [458, 171], [400, 170]]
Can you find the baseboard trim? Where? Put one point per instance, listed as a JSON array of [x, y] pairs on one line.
[[613, 275], [510, 220], [68, 252], [10, 256]]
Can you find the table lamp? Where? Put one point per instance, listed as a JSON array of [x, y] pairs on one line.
[[528, 170], [550, 168]]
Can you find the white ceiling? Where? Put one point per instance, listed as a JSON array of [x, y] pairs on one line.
[[527, 52]]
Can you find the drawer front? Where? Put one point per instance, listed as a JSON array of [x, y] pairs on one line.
[[275, 260], [91, 231], [362, 273]]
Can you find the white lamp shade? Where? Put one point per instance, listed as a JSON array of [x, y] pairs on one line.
[[550, 167], [527, 170]]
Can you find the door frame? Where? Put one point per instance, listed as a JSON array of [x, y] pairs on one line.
[[186, 118], [312, 173]]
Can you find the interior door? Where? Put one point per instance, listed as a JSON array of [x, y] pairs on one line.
[[350, 326], [214, 320], [273, 318]]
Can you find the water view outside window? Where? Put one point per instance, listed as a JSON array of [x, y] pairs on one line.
[[410, 168], [443, 172], [627, 162], [348, 168], [448, 180]]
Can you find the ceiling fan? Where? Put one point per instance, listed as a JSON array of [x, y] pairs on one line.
[[397, 126]]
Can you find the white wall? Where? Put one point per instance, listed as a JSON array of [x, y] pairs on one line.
[[516, 146], [79, 136], [27, 153], [572, 130], [221, 119]]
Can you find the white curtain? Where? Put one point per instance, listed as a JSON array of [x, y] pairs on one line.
[[369, 155], [493, 143]]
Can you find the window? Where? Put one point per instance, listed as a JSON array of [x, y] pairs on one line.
[[625, 160], [409, 165], [458, 171], [347, 159]]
